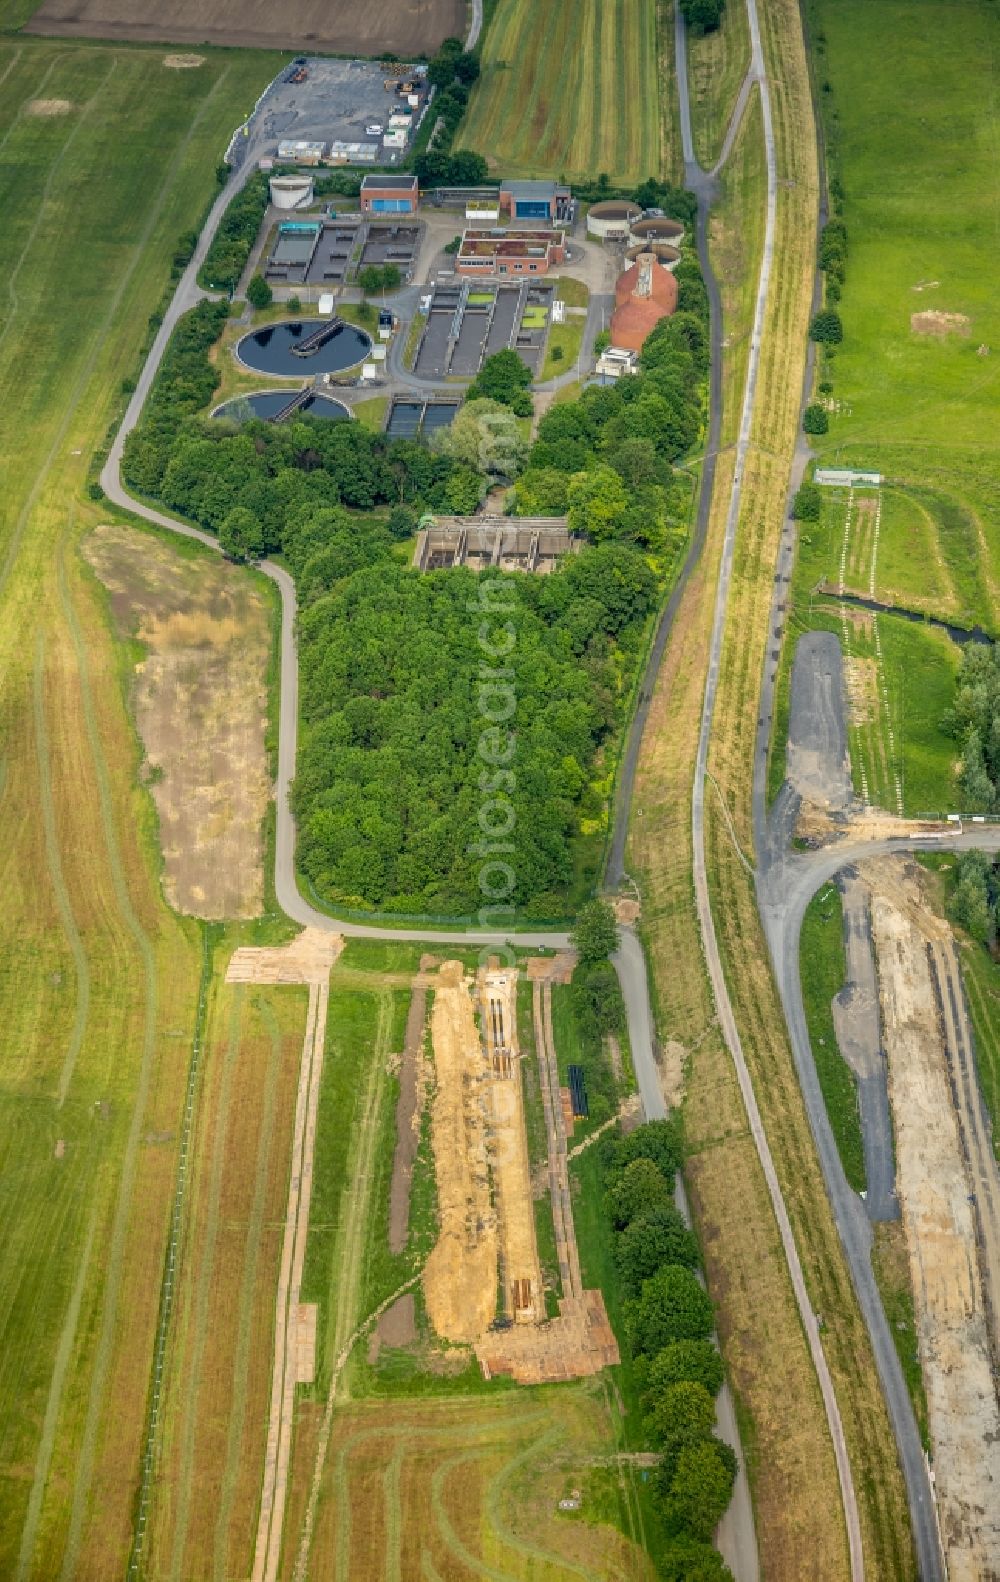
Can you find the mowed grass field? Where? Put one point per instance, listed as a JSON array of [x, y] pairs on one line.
[[913, 122], [574, 90], [98, 980]]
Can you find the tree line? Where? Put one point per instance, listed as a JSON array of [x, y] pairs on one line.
[[668, 1322], [974, 722]]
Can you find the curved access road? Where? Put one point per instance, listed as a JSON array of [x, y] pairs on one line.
[[758, 74]]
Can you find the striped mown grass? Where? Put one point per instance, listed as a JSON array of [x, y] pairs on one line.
[[571, 91]]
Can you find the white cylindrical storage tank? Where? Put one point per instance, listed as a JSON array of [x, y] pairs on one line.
[[290, 192], [610, 221], [652, 230]]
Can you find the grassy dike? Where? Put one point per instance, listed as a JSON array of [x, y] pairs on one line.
[[797, 1502]]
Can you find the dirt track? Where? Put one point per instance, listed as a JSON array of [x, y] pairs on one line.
[[307, 959], [937, 1197], [407, 27]]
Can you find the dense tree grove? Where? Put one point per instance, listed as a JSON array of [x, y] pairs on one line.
[[504, 378], [596, 933], [668, 1322], [975, 899], [227, 257], [704, 15], [452, 72], [392, 780], [826, 327], [975, 722], [815, 419]]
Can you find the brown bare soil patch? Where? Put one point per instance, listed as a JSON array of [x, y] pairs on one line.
[[200, 703], [397, 1326], [920, 1007], [460, 1276], [861, 678], [47, 107], [354, 27], [183, 62], [933, 322], [522, 1287]]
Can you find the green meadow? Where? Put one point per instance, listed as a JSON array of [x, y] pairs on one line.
[[912, 121]]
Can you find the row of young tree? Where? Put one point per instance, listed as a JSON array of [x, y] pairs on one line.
[[233, 242]]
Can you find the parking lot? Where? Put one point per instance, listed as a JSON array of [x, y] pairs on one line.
[[336, 102]]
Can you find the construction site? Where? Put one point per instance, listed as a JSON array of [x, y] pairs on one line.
[[949, 1193], [482, 1283]]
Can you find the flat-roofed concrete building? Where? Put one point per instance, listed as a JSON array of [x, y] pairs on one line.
[[535, 200], [511, 543], [510, 251], [389, 195]]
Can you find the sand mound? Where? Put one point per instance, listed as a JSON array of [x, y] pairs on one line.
[[183, 62], [935, 323], [49, 107]]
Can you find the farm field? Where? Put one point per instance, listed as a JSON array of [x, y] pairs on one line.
[[98, 980], [355, 29], [571, 91], [912, 87]]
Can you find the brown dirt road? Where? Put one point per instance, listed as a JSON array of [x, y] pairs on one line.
[[308, 960], [521, 1275]]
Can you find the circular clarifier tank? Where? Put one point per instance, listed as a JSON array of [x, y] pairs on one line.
[[268, 403], [282, 348]]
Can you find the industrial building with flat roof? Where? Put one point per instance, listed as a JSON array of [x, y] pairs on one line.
[[535, 200], [510, 252], [389, 195]]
